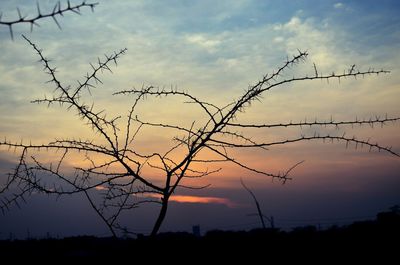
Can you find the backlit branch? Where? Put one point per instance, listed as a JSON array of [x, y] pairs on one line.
[[371, 122], [58, 10], [343, 138], [97, 120]]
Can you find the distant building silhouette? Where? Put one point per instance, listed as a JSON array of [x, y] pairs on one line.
[[196, 230]]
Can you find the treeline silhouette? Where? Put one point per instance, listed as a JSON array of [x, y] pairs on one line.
[[362, 239]]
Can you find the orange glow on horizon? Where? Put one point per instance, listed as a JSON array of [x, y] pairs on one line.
[[198, 199]]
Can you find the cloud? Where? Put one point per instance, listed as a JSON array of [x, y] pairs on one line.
[[338, 5], [204, 42], [199, 199], [307, 34]]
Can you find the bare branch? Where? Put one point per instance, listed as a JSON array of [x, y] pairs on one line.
[[342, 138], [57, 10], [260, 214], [371, 122]]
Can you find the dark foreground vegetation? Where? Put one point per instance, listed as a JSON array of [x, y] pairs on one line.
[[377, 239]]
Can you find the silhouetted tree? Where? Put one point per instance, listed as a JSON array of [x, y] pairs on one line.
[[116, 173], [58, 10]]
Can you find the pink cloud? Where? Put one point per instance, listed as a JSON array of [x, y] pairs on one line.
[[100, 188], [198, 199]]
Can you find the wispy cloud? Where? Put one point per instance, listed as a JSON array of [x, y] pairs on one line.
[[206, 200], [198, 199], [201, 40], [338, 5]]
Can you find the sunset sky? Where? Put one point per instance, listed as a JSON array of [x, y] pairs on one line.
[[215, 50]]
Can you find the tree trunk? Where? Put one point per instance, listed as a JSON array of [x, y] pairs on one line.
[[161, 217]]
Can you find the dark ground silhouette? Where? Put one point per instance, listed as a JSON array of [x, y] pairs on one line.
[[366, 240]]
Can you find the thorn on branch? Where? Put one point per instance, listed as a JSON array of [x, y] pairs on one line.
[[352, 68], [315, 70]]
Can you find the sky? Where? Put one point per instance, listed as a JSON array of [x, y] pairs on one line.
[[215, 50]]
